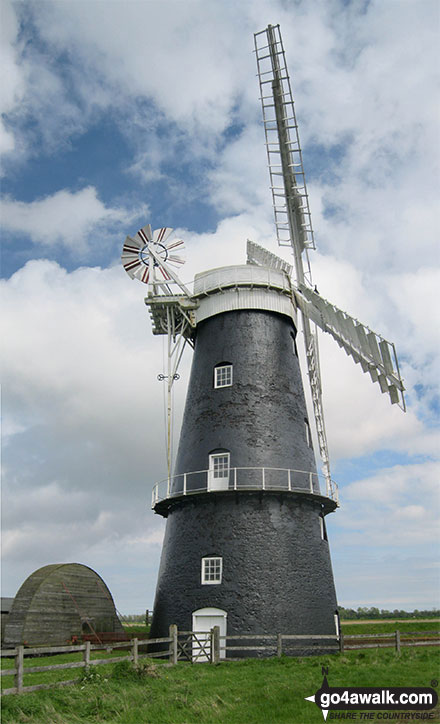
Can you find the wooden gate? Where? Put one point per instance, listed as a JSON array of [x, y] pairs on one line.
[[194, 646]]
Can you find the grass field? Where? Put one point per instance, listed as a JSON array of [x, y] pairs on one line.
[[136, 628], [361, 627], [270, 691]]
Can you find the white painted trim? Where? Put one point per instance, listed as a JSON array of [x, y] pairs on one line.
[[215, 582], [216, 481], [217, 375]]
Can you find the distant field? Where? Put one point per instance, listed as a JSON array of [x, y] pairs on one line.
[[389, 620], [385, 626], [269, 691], [136, 627]]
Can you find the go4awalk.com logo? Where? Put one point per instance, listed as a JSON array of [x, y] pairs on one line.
[[389, 702]]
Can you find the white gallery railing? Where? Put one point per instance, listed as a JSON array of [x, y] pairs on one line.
[[276, 479]]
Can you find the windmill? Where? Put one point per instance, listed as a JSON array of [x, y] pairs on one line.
[[245, 545]]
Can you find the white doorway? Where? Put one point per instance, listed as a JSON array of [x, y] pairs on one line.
[[218, 473], [203, 620]]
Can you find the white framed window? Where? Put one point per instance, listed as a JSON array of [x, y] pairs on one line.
[[223, 376], [218, 475], [212, 569]]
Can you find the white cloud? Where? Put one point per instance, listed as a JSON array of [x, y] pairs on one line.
[[11, 77], [390, 487], [385, 538], [195, 75], [368, 578], [414, 296], [66, 218], [231, 191], [80, 378], [360, 419], [80, 387], [165, 51], [183, 72], [113, 544]]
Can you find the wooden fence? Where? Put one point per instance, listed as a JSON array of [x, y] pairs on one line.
[[277, 644], [387, 640], [134, 655], [206, 646]]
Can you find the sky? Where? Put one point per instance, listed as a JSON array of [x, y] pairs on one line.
[[117, 114]]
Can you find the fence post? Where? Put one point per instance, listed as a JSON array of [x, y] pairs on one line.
[[215, 645], [173, 644], [135, 652], [279, 645], [341, 642], [87, 654], [398, 642], [19, 669]]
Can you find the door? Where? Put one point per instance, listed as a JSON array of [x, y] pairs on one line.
[[218, 473], [203, 620]]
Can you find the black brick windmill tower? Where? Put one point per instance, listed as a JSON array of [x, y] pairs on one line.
[[245, 544]]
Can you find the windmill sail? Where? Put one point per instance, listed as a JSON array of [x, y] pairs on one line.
[[260, 256], [287, 179], [289, 193], [375, 354], [294, 228]]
